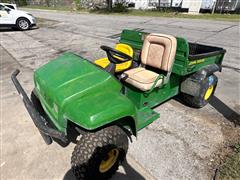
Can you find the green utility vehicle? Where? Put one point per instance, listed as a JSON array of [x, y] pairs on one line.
[[100, 105]]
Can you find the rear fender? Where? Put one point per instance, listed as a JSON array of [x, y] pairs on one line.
[[192, 84], [206, 71]]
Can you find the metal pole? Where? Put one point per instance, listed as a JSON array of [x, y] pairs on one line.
[[222, 6], [214, 6]]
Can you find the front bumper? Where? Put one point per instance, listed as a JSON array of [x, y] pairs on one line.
[[33, 21], [46, 132], [32, 25]]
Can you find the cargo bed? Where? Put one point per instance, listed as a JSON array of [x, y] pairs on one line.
[[199, 51]]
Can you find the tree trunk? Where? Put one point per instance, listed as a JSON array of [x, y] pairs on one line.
[[109, 5], [171, 3], [48, 3]]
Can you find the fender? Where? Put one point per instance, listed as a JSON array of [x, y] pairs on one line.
[[105, 108], [206, 71], [16, 19], [191, 85]]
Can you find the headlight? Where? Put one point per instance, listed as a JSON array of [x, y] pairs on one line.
[[37, 86], [55, 107]]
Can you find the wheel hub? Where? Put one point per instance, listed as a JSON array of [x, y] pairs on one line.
[[111, 159], [23, 24], [208, 92]]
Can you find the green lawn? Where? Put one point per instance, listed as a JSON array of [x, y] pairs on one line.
[[231, 167], [62, 8], [151, 13]]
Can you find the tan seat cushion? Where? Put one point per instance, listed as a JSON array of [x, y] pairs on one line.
[[142, 78], [159, 51]]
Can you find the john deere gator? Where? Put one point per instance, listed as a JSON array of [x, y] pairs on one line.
[[100, 105]]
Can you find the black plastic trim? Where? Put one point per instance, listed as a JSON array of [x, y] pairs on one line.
[[42, 125], [200, 51]]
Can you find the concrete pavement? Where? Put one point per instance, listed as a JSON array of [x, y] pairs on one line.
[[182, 144]]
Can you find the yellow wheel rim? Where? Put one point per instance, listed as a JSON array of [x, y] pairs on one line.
[[208, 92], [110, 161]]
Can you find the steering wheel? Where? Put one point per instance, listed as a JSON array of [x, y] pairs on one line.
[[115, 56]]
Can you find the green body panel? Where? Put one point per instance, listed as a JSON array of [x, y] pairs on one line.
[[72, 88], [132, 38], [181, 58], [196, 65], [157, 96], [145, 101], [145, 116]]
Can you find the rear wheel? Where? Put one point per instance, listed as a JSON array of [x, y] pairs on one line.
[[23, 24], [97, 155], [206, 91]]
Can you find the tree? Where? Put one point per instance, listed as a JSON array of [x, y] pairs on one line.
[[48, 3], [21, 2]]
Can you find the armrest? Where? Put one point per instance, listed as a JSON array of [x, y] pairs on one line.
[[160, 77]]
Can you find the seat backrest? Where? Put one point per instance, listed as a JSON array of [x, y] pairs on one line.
[[159, 51]]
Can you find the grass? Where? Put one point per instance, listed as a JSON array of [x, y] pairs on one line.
[[151, 13], [231, 167], [60, 8]]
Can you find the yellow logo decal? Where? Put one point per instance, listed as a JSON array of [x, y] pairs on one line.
[[197, 62]]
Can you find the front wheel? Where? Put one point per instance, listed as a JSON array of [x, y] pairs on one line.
[[97, 155], [23, 24]]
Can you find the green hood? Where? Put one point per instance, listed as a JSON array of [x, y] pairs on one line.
[[69, 76]]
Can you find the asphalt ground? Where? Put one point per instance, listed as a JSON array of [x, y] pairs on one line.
[[182, 144]]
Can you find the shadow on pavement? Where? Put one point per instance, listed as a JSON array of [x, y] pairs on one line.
[[6, 29], [131, 174], [226, 111], [9, 29]]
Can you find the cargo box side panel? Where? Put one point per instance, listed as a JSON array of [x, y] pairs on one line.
[[181, 58]]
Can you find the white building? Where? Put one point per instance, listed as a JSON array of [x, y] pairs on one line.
[[184, 4]]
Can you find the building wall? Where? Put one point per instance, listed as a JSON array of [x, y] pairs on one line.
[[193, 6], [163, 3], [207, 4], [185, 4]]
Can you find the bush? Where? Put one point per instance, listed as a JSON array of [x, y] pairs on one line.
[[119, 7], [78, 4], [21, 2]]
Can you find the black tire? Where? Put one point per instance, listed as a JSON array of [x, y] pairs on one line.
[[200, 101], [23, 24], [93, 148]]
